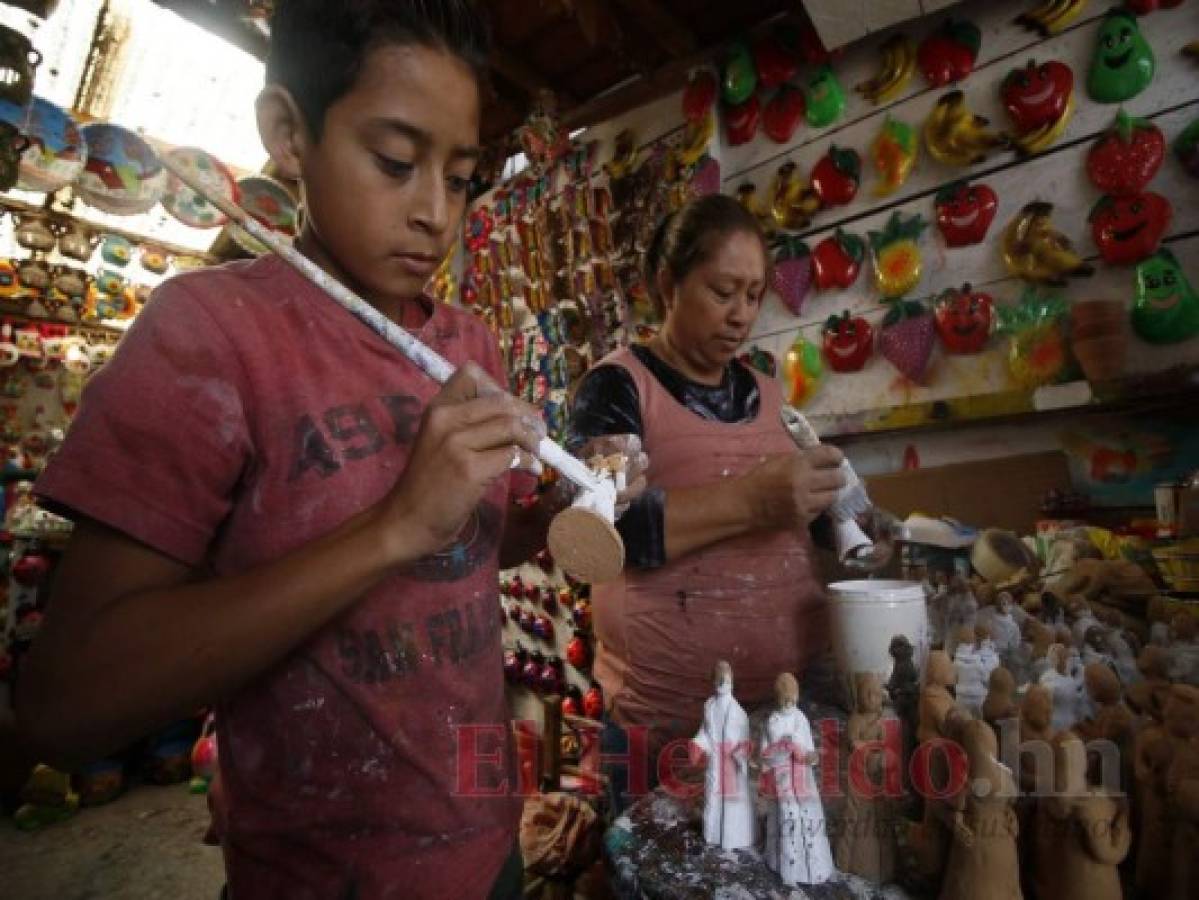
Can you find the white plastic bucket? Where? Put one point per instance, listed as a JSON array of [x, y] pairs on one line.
[[866, 615]]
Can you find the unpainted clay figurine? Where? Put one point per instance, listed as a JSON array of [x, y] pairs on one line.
[[797, 845], [1082, 833], [982, 857], [1112, 720], [1182, 790], [725, 742], [939, 718], [903, 687], [866, 844], [1036, 727], [1001, 698], [1148, 696], [1184, 648]]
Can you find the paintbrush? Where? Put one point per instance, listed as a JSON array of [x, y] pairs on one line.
[[853, 546], [425, 358]]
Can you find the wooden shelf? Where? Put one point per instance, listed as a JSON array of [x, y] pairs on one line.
[[1169, 389]]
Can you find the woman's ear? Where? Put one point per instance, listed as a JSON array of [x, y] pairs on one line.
[[282, 129], [665, 284]]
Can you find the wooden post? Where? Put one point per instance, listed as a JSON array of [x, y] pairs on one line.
[[551, 743]]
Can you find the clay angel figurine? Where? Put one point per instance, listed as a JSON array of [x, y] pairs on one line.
[[725, 742], [866, 843], [982, 856], [797, 845], [1082, 832]]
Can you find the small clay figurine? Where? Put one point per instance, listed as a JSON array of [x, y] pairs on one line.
[[1151, 761], [1002, 713], [1182, 790], [1112, 720], [724, 740], [1148, 696], [903, 687], [797, 845], [1036, 727], [866, 845], [1082, 833], [1184, 648], [961, 611], [982, 857], [971, 679], [938, 719], [1065, 690], [1004, 630]]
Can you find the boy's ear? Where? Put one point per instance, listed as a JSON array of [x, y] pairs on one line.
[[282, 128]]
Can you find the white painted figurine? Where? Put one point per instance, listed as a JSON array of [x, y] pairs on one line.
[[724, 739], [797, 846], [971, 688], [1066, 691]]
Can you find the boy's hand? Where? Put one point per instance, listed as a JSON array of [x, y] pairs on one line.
[[636, 469], [471, 434]]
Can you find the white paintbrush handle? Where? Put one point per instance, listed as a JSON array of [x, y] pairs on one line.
[[424, 357]]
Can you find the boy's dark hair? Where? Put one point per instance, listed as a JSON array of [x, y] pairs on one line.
[[318, 47], [683, 239]]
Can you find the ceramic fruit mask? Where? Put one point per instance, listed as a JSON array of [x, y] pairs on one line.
[[964, 318], [1126, 156], [1166, 309], [848, 342], [761, 360], [836, 176], [824, 96], [837, 260], [897, 258], [948, 55], [783, 114], [1040, 100], [965, 212], [803, 371], [1128, 229], [792, 274], [907, 337], [1123, 63], [741, 122], [738, 77], [1038, 353], [1186, 148], [699, 96], [894, 155], [774, 62]]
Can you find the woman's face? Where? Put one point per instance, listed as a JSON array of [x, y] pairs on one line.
[[710, 312]]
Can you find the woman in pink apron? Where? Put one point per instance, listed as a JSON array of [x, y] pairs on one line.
[[719, 557]]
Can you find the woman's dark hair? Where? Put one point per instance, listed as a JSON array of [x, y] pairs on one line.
[[318, 47], [683, 239]]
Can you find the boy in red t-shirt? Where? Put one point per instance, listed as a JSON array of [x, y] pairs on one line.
[[277, 512]]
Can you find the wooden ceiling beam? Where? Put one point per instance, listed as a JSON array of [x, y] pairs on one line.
[[525, 76], [671, 34]]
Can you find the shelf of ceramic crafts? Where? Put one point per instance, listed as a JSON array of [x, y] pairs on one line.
[[12, 310], [1175, 388], [54, 207]]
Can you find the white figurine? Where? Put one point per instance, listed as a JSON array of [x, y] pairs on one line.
[[724, 739], [1005, 631], [971, 688], [961, 611], [1066, 691], [797, 846]]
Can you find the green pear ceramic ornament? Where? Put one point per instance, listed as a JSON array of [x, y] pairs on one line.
[[1123, 63], [824, 96], [738, 78], [1166, 309]]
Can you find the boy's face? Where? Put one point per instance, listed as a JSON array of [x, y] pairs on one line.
[[385, 187]]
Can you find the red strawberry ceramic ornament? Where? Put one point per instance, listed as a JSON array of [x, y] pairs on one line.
[[907, 337], [1126, 156], [792, 274]]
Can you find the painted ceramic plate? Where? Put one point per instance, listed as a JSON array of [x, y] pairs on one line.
[[122, 176], [57, 150], [269, 202], [185, 204]]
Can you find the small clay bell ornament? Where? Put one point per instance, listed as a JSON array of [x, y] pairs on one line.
[[543, 628], [572, 703], [593, 702], [582, 614], [31, 568], [516, 588], [1166, 308], [549, 600], [530, 674], [1123, 63], [578, 651], [552, 676], [514, 663]]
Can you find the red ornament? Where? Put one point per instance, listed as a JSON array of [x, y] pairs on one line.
[[783, 114], [741, 121], [699, 96], [848, 342], [1037, 95], [532, 592], [836, 176], [204, 751], [593, 702], [31, 568], [549, 600], [948, 55], [578, 651], [582, 615], [514, 663], [1129, 229], [550, 680], [1145, 7], [1127, 156], [965, 212], [543, 627], [837, 260], [516, 588], [964, 319], [775, 64], [528, 620], [572, 703]]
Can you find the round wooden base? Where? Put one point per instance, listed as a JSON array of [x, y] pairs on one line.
[[586, 545]]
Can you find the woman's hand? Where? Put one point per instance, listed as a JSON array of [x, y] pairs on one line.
[[787, 492]]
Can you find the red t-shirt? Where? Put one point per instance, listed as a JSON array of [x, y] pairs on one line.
[[245, 415]]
